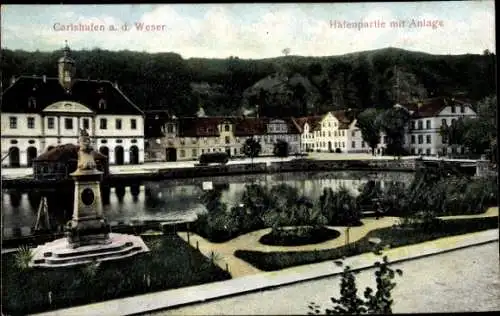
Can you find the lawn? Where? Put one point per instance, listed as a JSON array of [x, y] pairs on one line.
[[395, 237], [171, 264]]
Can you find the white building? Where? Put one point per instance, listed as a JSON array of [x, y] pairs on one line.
[[428, 118], [335, 131], [39, 113]]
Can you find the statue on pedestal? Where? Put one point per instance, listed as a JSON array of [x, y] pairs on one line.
[[88, 226], [85, 158]]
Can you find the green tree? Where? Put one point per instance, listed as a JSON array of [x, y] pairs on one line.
[[368, 123], [487, 112], [478, 136], [252, 148], [281, 148], [454, 133], [393, 123]]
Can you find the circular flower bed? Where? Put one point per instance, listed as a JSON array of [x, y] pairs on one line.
[[298, 236]]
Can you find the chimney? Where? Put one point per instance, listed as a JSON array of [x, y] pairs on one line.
[[44, 78]]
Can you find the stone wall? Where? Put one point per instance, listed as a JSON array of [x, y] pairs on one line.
[[329, 165]]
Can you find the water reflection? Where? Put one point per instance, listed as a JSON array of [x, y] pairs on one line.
[[174, 199]]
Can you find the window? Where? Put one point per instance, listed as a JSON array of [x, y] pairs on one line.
[[353, 133], [13, 122], [50, 123], [133, 141], [462, 109], [193, 140], [428, 151], [353, 145], [428, 139], [228, 140], [412, 124], [13, 142], [420, 139], [453, 121], [362, 144], [453, 110], [102, 104], [31, 122], [194, 152], [343, 144], [428, 124], [31, 141], [103, 124], [119, 141], [329, 134], [413, 139], [118, 124], [183, 153], [420, 125], [86, 124], [226, 128], [170, 128], [68, 123], [413, 151], [32, 103], [133, 123], [203, 151], [104, 141], [420, 150]]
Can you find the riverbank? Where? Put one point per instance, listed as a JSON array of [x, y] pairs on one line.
[[133, 175]]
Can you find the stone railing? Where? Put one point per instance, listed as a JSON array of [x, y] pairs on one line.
[[328, 165]]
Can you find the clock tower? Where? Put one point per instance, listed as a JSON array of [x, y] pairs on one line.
[[66, 69]]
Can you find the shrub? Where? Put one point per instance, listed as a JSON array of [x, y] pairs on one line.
[[23, 257]]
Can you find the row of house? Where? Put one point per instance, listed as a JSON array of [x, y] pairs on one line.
[[335, 131]]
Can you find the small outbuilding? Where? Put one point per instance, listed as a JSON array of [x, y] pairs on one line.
[[59, 162]]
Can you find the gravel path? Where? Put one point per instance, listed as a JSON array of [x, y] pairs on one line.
[[250, 241]]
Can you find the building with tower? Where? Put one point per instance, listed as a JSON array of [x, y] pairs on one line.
[[40, 113]]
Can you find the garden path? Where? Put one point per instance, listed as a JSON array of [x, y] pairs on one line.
[[250, 241]]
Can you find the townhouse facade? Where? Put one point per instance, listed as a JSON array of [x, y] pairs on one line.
[[187, 138], [428, 118], [39, 113]]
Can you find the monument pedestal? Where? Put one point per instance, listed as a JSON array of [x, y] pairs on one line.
[[88, 235]]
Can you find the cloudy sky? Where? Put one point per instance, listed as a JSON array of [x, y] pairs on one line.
[[254, 30]]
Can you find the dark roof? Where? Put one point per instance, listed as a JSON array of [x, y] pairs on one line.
[[432, 106], [199, 126], [66, 152], [344, 119], [313, 122], [250, 126], [243, 126], [87, 92]]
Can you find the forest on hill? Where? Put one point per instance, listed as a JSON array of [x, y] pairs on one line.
[[282, 86]]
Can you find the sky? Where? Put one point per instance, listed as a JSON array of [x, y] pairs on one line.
[[254, 31]]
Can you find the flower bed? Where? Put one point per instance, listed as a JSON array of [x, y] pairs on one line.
[[272, 261], [298, 236]]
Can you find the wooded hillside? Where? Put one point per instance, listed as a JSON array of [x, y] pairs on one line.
[[288, 85]]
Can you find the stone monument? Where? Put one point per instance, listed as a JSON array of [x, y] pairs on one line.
[[88, 235]]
